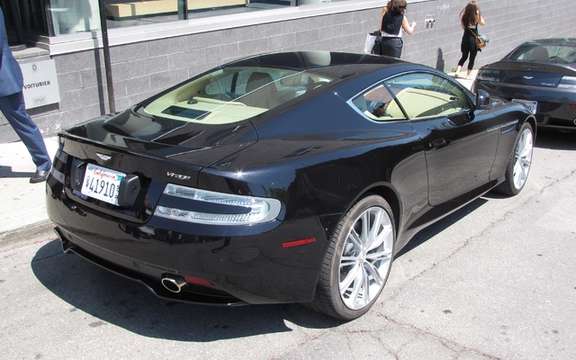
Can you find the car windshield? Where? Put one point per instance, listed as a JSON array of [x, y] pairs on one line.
[[232, 94], [551, 54]]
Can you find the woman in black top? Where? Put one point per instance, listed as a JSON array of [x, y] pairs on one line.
[[393, 23], [470, 20]]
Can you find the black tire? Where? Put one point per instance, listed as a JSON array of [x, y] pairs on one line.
[[507, 187], [328, 300]]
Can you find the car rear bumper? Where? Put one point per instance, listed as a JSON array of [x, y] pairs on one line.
[[556, 108], [253, 267]]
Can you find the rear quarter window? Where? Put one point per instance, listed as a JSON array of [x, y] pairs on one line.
[[234, 94]]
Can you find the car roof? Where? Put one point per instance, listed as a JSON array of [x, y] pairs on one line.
[[553, 41], [338, 65]]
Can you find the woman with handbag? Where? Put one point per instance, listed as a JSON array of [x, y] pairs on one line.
[[393, 23], [472, 42]]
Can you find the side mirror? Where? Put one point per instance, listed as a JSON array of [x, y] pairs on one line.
[[482, 99]]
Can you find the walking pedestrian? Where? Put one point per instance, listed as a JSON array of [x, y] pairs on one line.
[[393, 23], [470, 18], [13, 108]]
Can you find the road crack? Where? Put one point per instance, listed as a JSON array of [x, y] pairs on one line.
[[449, 344]]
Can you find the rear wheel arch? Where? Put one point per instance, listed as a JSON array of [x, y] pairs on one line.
[[389, 195]]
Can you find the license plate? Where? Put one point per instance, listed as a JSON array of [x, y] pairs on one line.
[[102, 184], [531, 105]]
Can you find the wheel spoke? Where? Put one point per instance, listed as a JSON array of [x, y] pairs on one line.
[[346, 261], [358, 281], [366, 286], [370, 269], [376, 226], [365, 228], [524, 173], [379, 240], [355, 238], [352, 274], [380, 255], [517, 169], [526, 151], [522, 142]]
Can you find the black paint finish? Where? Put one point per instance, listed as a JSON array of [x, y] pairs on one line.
[[317, 155]]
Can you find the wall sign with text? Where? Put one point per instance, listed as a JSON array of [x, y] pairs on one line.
[[40, 83]]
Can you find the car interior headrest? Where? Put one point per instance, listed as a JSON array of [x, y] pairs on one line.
[[257, 80], [539, 54]]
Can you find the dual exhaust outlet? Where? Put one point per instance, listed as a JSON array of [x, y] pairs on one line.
[[172, 283]]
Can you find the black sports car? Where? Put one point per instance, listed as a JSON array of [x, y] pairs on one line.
[[540, 74], [292, 177]]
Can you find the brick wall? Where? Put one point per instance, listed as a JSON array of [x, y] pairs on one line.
[[143, 69]]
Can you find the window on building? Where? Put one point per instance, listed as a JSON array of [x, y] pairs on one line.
[[74, 16]]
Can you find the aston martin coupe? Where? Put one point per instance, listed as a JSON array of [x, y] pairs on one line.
[[541, 74], [290, 177]]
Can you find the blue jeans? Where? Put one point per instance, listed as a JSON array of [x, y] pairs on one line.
[[13, 108]]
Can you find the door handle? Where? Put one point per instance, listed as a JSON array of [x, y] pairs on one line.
[[437, 143]]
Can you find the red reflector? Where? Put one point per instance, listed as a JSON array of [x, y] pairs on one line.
[[193, 280], [291, 244]]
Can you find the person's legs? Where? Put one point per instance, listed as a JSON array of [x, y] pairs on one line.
[[473, 54], [465, 54], [14, 110]]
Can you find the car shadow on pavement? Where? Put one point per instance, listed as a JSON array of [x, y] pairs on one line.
[[6, 172], [112, 299], [436, 228], [556, 140]]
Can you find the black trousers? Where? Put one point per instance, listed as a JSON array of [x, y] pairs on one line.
[[469, 49], [389, 46]]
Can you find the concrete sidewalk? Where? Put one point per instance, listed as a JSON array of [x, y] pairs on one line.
[[22, 204]]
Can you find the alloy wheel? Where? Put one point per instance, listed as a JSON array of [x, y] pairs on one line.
[[523, 158], [366, 258]]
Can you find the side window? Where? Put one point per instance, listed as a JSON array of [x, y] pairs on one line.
[[427, 95], [378, 104]]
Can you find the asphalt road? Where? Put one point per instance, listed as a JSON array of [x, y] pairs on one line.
[[495, 280]]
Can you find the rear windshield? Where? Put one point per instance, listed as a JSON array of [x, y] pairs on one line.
[[232, 94], [551, 54]]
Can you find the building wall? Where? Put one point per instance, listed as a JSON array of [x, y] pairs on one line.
[[142, 69]]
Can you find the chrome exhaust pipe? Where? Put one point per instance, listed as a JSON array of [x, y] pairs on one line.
[[174, 284]]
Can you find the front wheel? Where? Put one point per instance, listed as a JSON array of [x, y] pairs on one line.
[[358, 260], [520, 163]]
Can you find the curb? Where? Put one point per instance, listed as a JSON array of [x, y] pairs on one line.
[[40, 231]]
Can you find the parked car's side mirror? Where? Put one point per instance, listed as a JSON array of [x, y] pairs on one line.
[[482, 99]]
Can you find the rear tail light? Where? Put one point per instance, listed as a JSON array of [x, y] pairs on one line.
[[236, 209], [568, 82]]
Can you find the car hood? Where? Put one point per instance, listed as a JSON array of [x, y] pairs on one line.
[[192, 143]]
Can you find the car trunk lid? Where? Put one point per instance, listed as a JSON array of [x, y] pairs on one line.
[[530, 74], [148, 160]]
